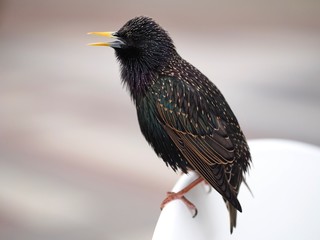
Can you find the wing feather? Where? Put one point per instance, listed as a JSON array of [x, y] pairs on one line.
[[201, 136]]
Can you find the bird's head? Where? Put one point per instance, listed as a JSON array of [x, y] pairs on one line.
[[141, 40]]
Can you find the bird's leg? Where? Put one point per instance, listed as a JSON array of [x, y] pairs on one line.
[[180, 195]]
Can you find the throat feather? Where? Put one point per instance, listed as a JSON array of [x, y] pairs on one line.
[[137, 78]]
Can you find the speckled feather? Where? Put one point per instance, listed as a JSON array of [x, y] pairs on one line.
[[182, 114]]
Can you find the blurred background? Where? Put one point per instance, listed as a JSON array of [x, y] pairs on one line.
[[73, 163]]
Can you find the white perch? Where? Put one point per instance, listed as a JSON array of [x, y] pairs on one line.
[[285, 181]]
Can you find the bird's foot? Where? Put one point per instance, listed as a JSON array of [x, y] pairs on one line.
[[175, 196], [180, 195]]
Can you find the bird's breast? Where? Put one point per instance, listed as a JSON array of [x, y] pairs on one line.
[[155, 134]]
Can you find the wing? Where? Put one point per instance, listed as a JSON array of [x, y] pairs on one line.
[[197, 128]]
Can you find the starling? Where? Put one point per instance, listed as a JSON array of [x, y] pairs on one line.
[[181, 113]]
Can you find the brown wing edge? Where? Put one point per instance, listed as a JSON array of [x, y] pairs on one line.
[[214, 174]]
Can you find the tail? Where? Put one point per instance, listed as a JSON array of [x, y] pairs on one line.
[[233, 216], [233, 206], [233, 211]]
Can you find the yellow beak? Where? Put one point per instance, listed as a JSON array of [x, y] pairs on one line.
[[103, 44], [106, 44], [103, 34]]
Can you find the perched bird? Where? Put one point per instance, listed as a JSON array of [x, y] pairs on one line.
[[182, 114]]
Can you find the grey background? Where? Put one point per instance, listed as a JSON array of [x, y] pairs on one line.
[[73, 164]]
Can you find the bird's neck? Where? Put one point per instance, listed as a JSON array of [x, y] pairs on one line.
[[137, 78], [138, 73], [140, 68]]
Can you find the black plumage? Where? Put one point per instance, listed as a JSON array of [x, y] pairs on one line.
[[182, 114]]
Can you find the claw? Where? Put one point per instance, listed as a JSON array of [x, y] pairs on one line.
[[180, 195], [175, 196]]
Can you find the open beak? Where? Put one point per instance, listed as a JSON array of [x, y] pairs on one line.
[[118, 43]]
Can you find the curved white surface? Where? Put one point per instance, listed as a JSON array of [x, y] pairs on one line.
[[285, 182]]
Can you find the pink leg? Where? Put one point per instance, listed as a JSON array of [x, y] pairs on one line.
[[180, 195]]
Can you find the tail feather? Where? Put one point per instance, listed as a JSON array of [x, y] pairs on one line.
[[233, 215]]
